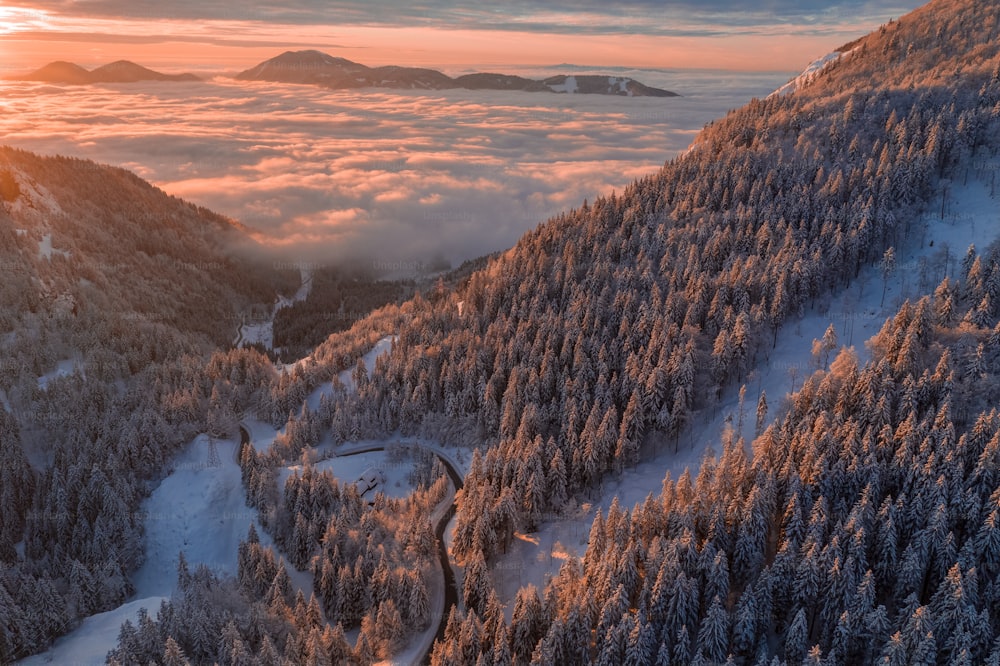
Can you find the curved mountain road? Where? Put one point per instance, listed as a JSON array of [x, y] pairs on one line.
[[450, 584]]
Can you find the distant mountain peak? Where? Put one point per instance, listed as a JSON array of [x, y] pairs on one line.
[[318, 68], [59, 71], [119, 71]]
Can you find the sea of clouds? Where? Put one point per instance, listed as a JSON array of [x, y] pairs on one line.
[[378, 176]]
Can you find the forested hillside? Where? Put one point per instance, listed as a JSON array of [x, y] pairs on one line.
[[113, 296], [617, 322], [105, 247], [609, 329], [612, 325], [862, 529]]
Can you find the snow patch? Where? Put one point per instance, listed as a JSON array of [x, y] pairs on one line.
[[568, 86], [45, 249], [621, 84], [261, 434], [89, 644], [33, 196], [383, 346], [810, 73], [64, 368], [200, 509]]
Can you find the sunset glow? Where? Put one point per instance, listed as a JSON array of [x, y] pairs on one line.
[[17, 19], [226, 40]]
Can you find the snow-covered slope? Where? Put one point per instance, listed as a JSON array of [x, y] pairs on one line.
[[392, 482], [567, 86], [857, 313], [810, 73], [199, 509], [94, 638], [262, 434]]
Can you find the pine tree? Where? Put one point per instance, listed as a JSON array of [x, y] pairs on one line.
[[527, 623], [340, 650], [389, 628], [268, 654], [887, 268], [713, 636], [556, 481], [475, 587], [173, 655], [682, 646], [232, 650], [419, 604], [761, 414]]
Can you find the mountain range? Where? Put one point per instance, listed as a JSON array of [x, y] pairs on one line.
[[120, 71], [318, 68]]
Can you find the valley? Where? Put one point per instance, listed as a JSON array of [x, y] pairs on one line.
[[736, 407]]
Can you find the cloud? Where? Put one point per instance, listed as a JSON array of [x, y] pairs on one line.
[[374, 176], [677, 17], [111, 38]]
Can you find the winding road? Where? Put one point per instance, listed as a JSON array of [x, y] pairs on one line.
[[450, 584]]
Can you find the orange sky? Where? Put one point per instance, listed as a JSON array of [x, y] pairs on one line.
[[30, 38]]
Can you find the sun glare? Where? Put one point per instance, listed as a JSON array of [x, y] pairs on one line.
[[19, 19]]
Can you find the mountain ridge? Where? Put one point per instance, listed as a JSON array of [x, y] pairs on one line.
[[119, 71], [77, 228], [318, 68]]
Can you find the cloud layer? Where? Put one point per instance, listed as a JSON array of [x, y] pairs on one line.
[[374, 176], [554, 16]]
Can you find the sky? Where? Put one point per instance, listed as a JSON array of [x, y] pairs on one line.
[[220, 35]]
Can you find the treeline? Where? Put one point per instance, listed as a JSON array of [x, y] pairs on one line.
[[213, 620]]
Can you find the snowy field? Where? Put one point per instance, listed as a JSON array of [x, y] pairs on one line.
[[391, 474], [199, 509], [89, 644]]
